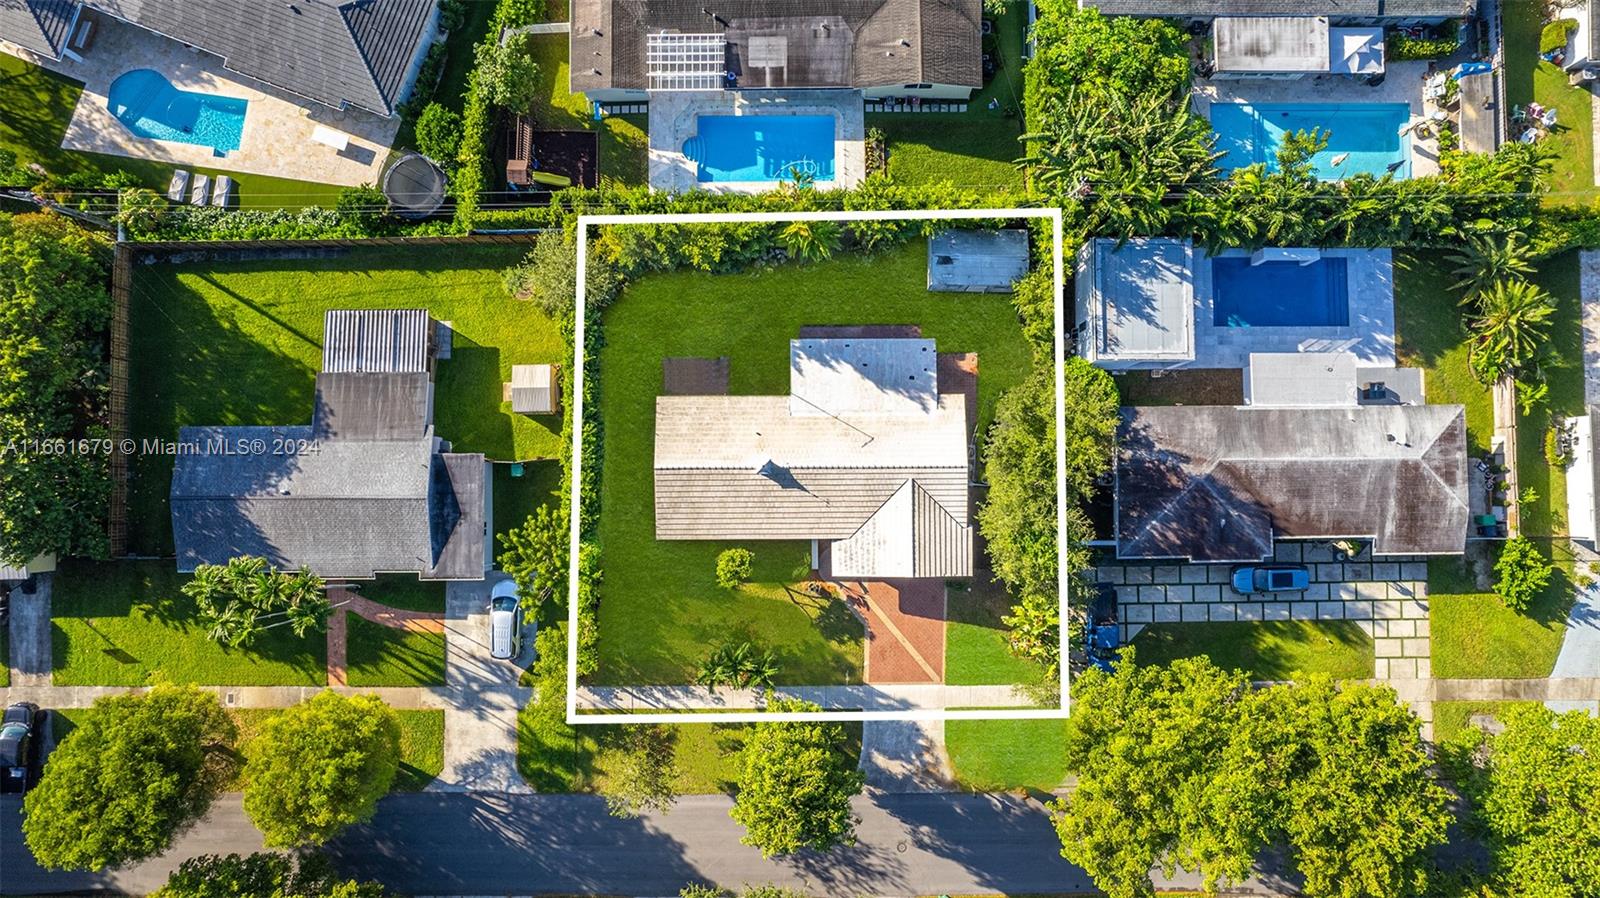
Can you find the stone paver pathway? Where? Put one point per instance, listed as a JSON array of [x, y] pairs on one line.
[[905, 621]]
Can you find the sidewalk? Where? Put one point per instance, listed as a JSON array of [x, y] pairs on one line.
[[885, 697]]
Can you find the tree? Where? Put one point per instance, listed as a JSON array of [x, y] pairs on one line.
[[239, 599], [1523, 573], [506, 72], [262, 875], [535, 555], [439, 134], [319, 767], [1144, 742], [54, 313], [812, 241], [1487, 259], [1533, 789], [135, 773], [644, 774], [548, 277], [1510, 327], [796, 780], [733, 567], [738, 665]]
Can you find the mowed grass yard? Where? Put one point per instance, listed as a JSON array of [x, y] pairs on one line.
[[241, 342], [1530, 78], [387, 656], [119, 623], [661, 610], [624, 144], [38, 105], [1476, 635], [976, 652], [1000, 755], [1265, 650]]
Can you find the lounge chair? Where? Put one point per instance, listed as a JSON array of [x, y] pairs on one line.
[[202, 190], [178, 187], [222, 192]]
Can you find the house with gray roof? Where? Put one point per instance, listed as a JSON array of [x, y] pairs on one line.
[[865, 457], [621, 50], [365, 488], [1221, 484], [360, 53]]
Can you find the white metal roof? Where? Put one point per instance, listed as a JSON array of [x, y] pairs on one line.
[[1143, 299], [1271, 43], [911, 535], [1301, 379], [877, 376]]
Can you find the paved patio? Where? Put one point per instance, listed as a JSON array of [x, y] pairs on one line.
[[277, 129], [1402, 83], [673, 117]]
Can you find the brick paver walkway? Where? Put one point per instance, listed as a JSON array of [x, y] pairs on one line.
[[339, 628], [905, 629]]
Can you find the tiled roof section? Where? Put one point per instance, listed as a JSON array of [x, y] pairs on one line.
[[1336, 9], [37, 25], [788, 503], [1220, 483], [911, 535], [355, 52], [830, 43], [376, 340]]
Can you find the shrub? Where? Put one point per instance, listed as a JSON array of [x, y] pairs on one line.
[[1555, 34], [1401, 47], [535, 555], [1552, 449], [439, 134], [733, 567], [517, 13], [453, 13], [1524, 572], [365, 204], [428, 75]]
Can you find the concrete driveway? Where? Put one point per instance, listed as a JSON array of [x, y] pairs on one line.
[[480, 722], [30, 634]]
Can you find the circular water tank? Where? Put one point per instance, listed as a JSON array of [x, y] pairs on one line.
[[414, 186]]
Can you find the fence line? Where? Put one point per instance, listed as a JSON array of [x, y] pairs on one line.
[[117, 407]]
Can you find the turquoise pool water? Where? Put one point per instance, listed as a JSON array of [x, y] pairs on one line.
[[150, 106], [761, 147], [1279, 294], [1367, 135]]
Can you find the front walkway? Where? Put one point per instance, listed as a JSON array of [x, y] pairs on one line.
[[905, 697], [339, 628], [277, 126], [905, 622]]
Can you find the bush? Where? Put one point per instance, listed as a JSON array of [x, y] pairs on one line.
[[1552, 449], [453, 13], [1524, 572], [439, 135], [428, 75], [507, 73], [1401, 47], [365, 204], [1555, 34], [733, 567], [517, 13]]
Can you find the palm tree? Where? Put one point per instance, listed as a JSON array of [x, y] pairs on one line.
[[1488, 259], [1512, 322], [812, 241], [741, 666]]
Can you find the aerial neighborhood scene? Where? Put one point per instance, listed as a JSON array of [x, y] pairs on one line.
[[782, 448]]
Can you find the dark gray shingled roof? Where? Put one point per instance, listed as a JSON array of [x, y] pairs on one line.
[[1333, 9], [37, 25], [372, 406], [1214, 483], [831, 43], [356, 52]]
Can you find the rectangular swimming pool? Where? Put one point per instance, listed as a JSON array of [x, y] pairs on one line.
[[761, 147], [1279, 294], [1362, 137]]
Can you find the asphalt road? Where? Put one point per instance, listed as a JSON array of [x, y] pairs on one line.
[[492, 844]]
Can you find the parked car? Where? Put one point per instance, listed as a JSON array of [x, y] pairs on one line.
[[1103, 635], [505, 621], [1253, 578], [17, 746]]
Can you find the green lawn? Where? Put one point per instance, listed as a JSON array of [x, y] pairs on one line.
[[1475, 635], [624, 143], [1429, 334], [660, 608], [1266, 650], [459, 58], [1546, 516], [386, 656], [118, 623], [975, 649], [196, 327], [38, 105], [996, 755], [1530, 78], [516, 497], [1452, 718], [975, 148], [406, 592]]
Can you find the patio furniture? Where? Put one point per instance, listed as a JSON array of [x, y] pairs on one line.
[[201, 194], [178, 187], [326, 136], [222, 193]]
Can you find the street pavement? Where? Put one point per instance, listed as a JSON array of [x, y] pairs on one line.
[[503, 844]]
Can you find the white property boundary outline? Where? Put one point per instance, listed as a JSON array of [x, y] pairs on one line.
[[576, 481]]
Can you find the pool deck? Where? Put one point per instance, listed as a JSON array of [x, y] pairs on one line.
[[277, 127], [1402, 83], [672, 122], [1369, 334]]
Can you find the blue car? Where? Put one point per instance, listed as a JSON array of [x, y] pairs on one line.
[[1253, 578], [1103, 635]]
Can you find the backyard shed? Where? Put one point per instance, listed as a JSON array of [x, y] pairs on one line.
[[535, 390], [961, 261], [1136, 303], [1271, 45], [388, 341]]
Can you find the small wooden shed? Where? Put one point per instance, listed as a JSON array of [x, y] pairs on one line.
[[535, 389]]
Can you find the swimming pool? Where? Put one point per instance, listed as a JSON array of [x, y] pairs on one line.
[[150, 106], [761, 147], [1366, 135], [1280, 293]]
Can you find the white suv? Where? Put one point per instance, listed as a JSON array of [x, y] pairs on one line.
[[505, 621]]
